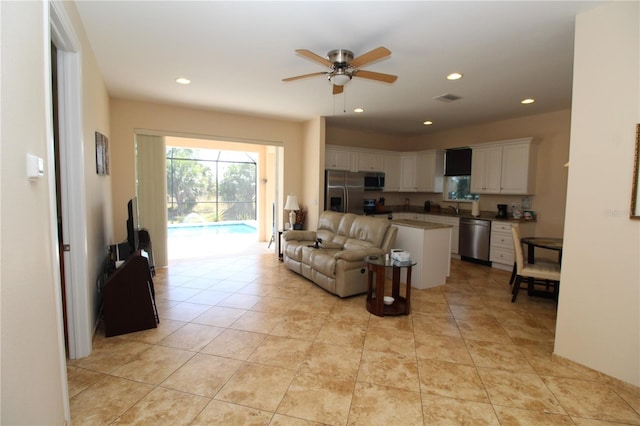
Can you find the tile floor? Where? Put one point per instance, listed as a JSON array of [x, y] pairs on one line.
[[244, 341]]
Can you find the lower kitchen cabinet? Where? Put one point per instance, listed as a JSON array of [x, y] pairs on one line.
[[429, 248], [501, 252], [455, 231], [434, 218]]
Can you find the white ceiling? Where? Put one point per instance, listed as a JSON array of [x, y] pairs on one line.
[[236, 54]]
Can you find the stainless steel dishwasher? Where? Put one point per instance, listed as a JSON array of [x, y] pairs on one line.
[[475, 237]]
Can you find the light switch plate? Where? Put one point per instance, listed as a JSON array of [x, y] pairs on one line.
[[35, 167]]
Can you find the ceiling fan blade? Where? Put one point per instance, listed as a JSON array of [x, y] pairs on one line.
[[378, 76], [298, 77], [337, 89], [371, 56], [310, 55]]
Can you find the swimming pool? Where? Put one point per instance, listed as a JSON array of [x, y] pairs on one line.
[[206, 239], [211, 229]]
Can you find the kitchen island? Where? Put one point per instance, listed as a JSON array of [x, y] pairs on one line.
[[430, 246]]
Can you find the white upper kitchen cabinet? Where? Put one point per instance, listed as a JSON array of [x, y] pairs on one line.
[[370, 162], [421, 171], [408, 172], [485, 170], [391, 172], [503, 168], [517, 169], [337, 159], [429, 171]]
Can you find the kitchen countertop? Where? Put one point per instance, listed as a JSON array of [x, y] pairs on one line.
[[418, 224], [447, 212]]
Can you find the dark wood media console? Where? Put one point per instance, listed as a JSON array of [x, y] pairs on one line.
[[129, 296]]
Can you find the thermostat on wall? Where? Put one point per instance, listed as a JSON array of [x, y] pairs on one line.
[[35, 167]]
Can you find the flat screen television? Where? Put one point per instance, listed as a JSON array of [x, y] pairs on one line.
[[132, 224]]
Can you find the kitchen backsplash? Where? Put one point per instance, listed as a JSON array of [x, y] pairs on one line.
[[417, 199]]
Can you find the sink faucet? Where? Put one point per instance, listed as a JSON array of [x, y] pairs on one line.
[[456, 209]]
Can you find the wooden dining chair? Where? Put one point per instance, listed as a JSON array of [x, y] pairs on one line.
[[547, 272]]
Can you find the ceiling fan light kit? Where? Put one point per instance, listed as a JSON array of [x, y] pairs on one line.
[[343, 67], [340, 78]]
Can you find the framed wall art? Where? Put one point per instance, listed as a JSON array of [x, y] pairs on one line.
[[102, 154], [635, 185]]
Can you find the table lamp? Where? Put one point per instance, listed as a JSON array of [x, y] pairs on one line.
[[292, 206]]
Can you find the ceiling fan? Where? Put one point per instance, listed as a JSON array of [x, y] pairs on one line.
[[343, 66]]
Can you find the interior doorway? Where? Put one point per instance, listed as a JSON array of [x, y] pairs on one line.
[[228, 219], [59, 197], [67, 189]]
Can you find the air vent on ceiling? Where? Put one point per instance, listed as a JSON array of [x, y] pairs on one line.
[[447, 97]]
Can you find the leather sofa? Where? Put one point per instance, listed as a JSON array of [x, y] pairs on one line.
[[333, 256]]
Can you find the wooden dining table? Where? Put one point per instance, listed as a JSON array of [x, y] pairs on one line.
[[542, 242]]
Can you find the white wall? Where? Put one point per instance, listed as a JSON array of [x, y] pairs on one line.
[[33, 365], [31, 380], [598, 316]]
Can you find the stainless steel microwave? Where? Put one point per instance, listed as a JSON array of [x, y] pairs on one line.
[[373, 181]]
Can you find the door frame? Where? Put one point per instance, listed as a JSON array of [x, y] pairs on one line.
[[278, 183], [60, 31]]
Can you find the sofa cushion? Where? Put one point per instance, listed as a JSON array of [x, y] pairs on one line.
[[329, 221], [293, 250], [353, 244], [355, 255], [344, 229], [367, 232], [330, 245], [294, 235], [323, 261]]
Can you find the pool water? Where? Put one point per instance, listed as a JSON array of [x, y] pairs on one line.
[[201, 240], [182, 231]]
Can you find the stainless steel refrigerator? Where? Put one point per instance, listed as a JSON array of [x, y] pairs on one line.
[[344, 192]]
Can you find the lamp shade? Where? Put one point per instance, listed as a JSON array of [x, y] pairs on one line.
[[292, 203]]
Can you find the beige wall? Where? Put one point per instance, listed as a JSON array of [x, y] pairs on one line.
[[599, 314], [97, 194], [355, 138], [551, 140], [129, 116], [313, 176], [33, 372]]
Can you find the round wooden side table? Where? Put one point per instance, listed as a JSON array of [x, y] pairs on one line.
[[401, 305]]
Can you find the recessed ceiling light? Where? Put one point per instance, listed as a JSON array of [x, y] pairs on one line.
[[358, 110], [183, 80], [428, 123], [527, 101], [454, 76]]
